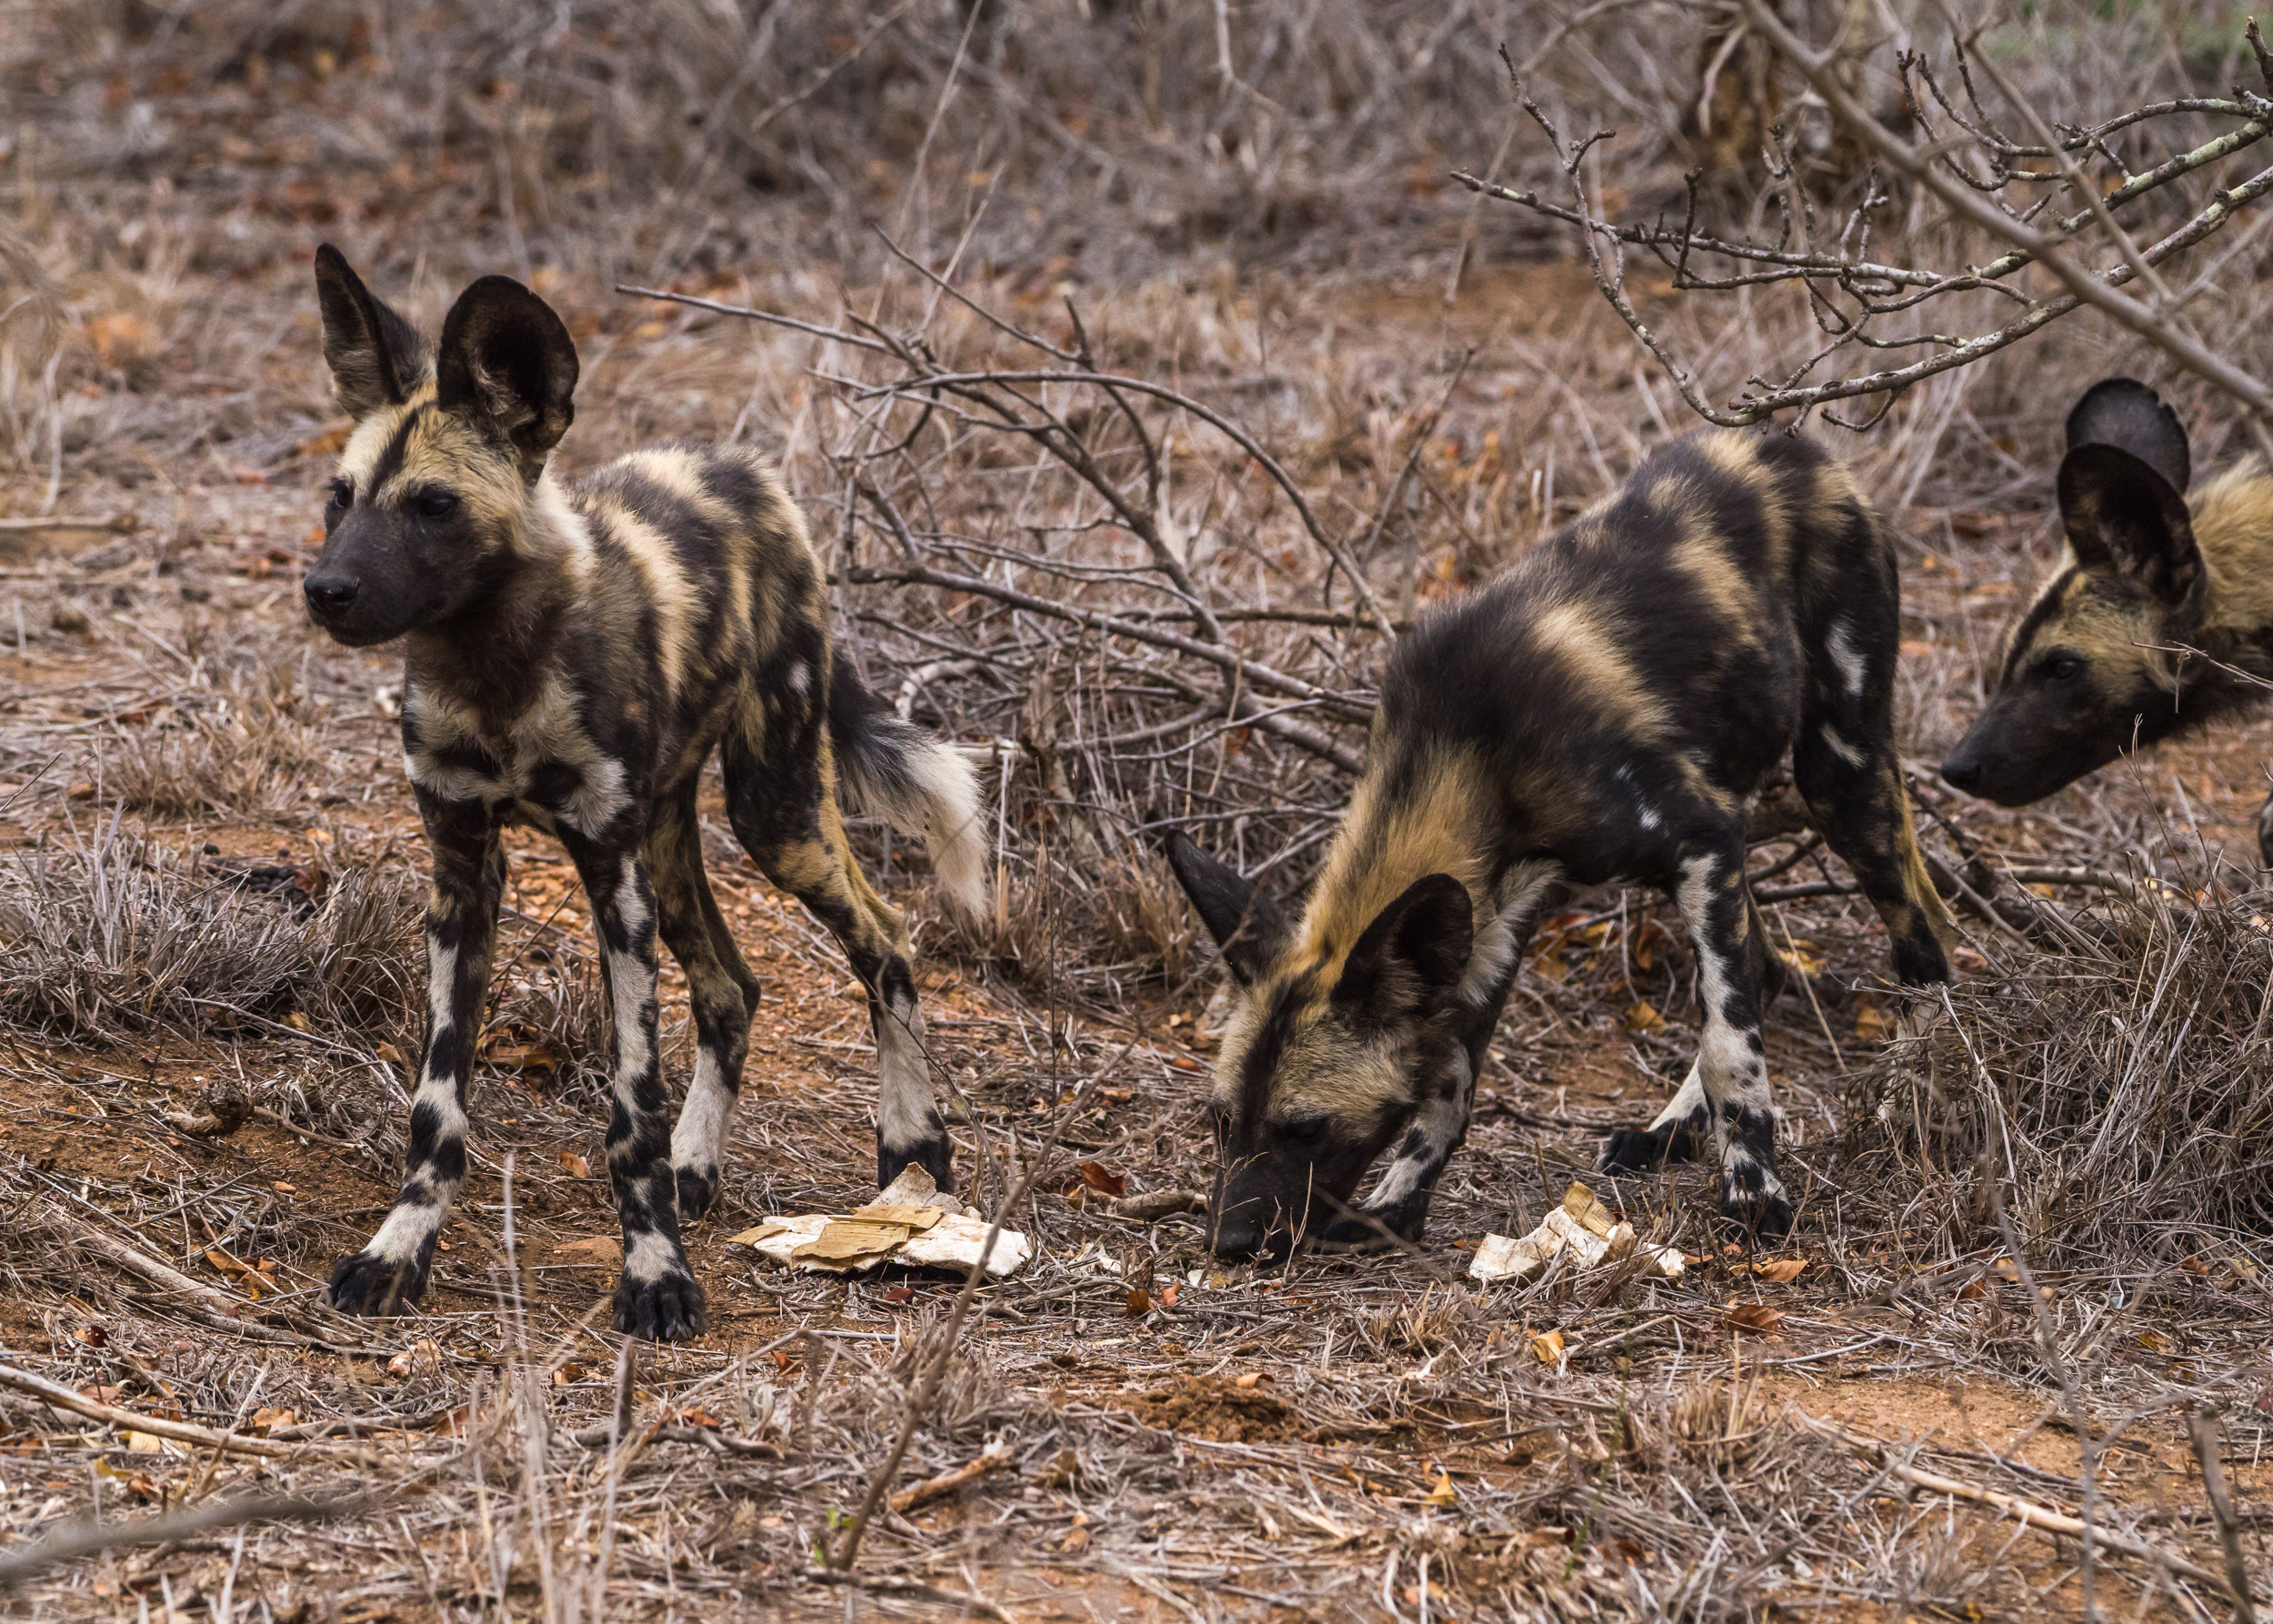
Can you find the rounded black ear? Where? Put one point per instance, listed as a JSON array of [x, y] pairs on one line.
[[1412, 958], [1247, 925], [375, 357], [508, 359], [2123, 515], [2125, 414]]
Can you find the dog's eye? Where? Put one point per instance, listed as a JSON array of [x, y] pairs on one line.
[[436, 505], [2063, 668], [1302, 1130], [342, 494]]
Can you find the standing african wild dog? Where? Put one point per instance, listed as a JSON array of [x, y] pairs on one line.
[[1596, 713], [574, 653], [2087, 673]]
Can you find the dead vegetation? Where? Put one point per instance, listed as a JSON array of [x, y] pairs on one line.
[[1128, 404]]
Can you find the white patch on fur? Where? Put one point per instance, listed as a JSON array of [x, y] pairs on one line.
[[1840, 748], [405, 1232], [1442, 1122], [550, 730], [1494, 954], [649, 1255], [935, 796], [441, 980], [1687, 1101], [800, 677], [1839, 644], [633, 986], [1726, 1069], [904, 1112], [698, 1139]]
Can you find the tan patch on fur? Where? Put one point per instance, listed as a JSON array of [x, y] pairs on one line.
[[2233, 526], [665, 589], [1579, 636], [1322, 1067], [1387, 842], [448, 452]]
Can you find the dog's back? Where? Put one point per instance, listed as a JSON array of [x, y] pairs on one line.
[[1658, 652]]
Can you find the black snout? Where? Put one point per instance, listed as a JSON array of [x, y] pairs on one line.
[[1962, 771], [329, 596], [1236, 1235]]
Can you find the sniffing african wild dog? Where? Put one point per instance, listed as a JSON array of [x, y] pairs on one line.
[[575, 653], [1596, 713], [2088, 671]]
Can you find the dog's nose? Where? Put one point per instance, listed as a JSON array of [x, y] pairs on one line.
[[1961, 772], [1237, 1236], [329, 596]]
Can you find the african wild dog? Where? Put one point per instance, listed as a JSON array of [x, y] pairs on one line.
[[2088, 672], [1596, 713], [575, 653]]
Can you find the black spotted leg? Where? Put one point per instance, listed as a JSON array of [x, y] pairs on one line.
[[659, 1296], [1723, 1108], [390, 1272]]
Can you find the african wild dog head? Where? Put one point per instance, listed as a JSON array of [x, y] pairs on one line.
[[2084, 674], [1329, 1051], [427, 509]]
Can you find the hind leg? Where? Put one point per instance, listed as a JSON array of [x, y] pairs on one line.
[[785, 813], [1846, 769], [720, 988]]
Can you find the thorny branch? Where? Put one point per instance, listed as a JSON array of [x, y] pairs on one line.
[[1853, 295]]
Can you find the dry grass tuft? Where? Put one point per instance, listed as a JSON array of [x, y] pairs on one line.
[[2118, 1094], [114, 934]]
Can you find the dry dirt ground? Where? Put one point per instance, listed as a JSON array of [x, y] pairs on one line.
[[210, 890]]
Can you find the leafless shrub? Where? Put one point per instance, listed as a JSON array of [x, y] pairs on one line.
[[2036, 195], [2113, 1094]]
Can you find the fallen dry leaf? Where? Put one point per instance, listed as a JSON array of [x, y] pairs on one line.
[[1139, 1303], [1641, 1016], [1442, 1494], [422, 1355], [1755, 1320], [574, 1165], [1780, 1269], [1548, 1346], [1102, 1180]]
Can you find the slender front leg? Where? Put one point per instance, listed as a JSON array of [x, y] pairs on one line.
[[659, 1296], [1731, 1058], [469, 871], [1398, 1206]]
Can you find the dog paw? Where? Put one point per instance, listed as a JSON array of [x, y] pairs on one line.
[[935, 1155], [374, 1287], [697, 1188], [1764, 1216], [669, 1308], [1636, 1150]]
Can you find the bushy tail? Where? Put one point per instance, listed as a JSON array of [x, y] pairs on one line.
[[908, 776]]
